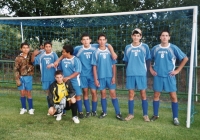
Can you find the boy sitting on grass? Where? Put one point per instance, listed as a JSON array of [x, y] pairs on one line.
[[62, 96]]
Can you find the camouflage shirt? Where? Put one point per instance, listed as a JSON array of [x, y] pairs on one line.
[[23, 66]]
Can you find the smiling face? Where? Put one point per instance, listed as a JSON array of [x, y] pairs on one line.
[[136, 38]]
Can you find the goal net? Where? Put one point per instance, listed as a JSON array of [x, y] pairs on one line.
[[182, 23]]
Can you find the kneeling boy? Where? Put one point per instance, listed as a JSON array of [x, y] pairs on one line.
[[62, 96]]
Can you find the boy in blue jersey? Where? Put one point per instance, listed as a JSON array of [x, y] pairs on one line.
[[164, 56], [136, 55], [71, 67], [46, 60], [84, 53], [24, 70], [104, 71]]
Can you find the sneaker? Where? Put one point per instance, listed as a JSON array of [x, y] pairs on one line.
[[59, 117], [31, 111], [176, 122], [153, 118], [129, 117], [80, 115], [146, 118], [88, 114], [94, 113], [64, 114], [119, 117], [75, 119], [22, 111], [102, 115]]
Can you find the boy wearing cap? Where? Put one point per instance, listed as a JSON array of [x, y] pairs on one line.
[[137, 58]]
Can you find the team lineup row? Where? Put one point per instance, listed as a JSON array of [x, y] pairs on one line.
[[91, 67]]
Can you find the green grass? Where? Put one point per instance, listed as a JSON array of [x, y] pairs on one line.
[[40, 126]]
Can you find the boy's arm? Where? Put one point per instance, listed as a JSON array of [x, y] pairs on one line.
[[57, 61], [95, 76], [114, 73], [75, 74], [183, 62], [70, 89], [35, 53], [113, 54], [16, 71], [50, 97], [154, 73]]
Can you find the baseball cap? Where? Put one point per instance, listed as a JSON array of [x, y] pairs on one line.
[[138, 30]]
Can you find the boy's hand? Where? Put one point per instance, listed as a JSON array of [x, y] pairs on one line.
[[18, 82], [65, 79], [36, 52], [97, 83], [50, 65], [154, 73], [113, 80], [56, 63], [73, 100], [114, 56]]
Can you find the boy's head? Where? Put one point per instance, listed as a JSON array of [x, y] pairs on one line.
[[59, 76], [41, 46], [85, 39], [165, 36], [48, 47], [136, 35], [102, 39], [67, 51], [25, 48]]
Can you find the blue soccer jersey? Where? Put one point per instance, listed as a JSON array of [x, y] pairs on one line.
[[104, 62], [85, 56], [165, 58], [135, 57], [43, 60], [69, 66]]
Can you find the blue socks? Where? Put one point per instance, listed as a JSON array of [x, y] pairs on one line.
[[79, 105], [175, 109], [94, 106], [104, 105], [30, 103], [116, 106], [87, 105], [131, 107], [23, 102], [156, 105], [145, 107]]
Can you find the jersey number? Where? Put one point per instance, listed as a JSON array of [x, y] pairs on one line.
[[162, 55]]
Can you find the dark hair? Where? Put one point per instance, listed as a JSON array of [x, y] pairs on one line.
[[165, 30], [24, 44], [58, 72], [47, 43], [102, 34], [68, 48], [85, 35]]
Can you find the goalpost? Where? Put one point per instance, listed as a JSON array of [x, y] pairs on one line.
[[182, 22]]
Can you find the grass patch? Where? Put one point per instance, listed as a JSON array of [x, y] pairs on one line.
[[40, 126]]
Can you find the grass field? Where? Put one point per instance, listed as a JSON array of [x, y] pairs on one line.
[[40, 126]]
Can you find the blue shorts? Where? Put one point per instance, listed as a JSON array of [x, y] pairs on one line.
[[167, 84], [26, 83], [46, 84], [106, 83], [136, 82], [87, 82], [77, 89]]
